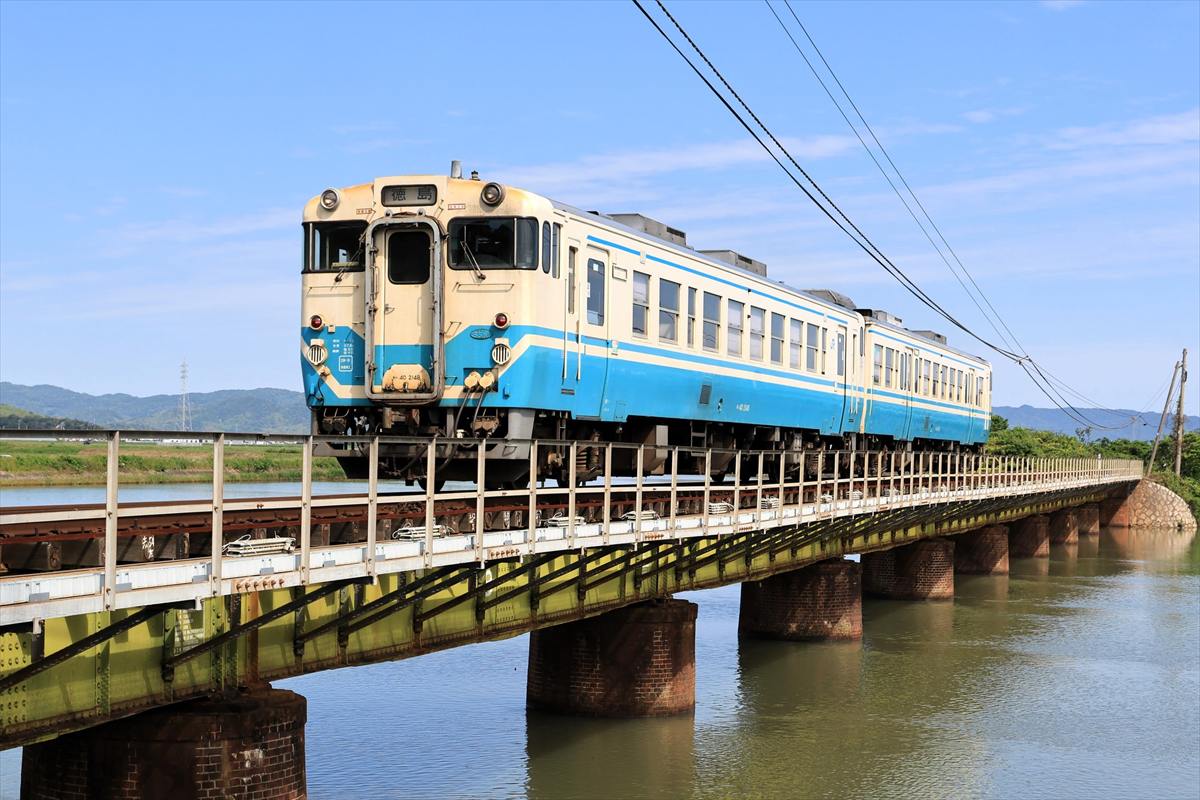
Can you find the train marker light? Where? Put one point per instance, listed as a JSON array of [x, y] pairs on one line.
[[502, 320], [330, 199], [316, 323], [492, 194]]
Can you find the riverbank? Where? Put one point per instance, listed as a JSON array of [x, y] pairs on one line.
[[83, 463]]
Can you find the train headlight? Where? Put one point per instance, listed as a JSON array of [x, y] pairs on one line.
[[492, 194], [330, 199]]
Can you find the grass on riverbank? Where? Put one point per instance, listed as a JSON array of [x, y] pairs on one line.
[[82, 463]]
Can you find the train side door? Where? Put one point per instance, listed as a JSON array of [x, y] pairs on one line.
[[908, 388], [572, 333], [592, 365]]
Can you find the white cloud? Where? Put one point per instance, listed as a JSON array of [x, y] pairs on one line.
[[1158, 130], [1061, 5], [981, 116]]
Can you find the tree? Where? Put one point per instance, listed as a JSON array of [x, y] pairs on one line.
[[999, 423]]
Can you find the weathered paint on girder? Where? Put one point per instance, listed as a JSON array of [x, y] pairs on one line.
[[124, 676]]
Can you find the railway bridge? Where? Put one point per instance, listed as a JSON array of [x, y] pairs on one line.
[[138, 639]]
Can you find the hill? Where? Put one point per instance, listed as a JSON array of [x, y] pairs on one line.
[[251, 410], [13, 417], [1058, 421]]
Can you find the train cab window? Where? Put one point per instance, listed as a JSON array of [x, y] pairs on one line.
[[668, 311], [691, 318], [877, 365], [734, 327], [334, 246], [777, 338], [572, 254], [641, 302], [595, 291], [712, 321], [841, 354], [493, 243], [408, 257], [795, 342], [814, 339], [889, 366], [546, 247]]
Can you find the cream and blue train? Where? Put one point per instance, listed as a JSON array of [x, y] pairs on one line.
[[478, 311]]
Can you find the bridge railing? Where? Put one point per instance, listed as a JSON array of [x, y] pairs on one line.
[[669, 491]]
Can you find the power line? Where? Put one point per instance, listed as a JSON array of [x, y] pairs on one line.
[[860, 239], [1002, 330]]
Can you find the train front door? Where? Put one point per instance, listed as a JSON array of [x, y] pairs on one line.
[[404, 313]]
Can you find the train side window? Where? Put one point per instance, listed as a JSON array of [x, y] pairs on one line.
[[668, 311], [691, 318], [889, 364], [814, 338], [595, 291], [777, 338], [962, 381], [408, 254], [758, 320], [712, 321], [572, 254], [841, 353], [903, 384], [555, 269], [945, 381], [928, 392], [936, 385], [824, 351], [733, 325], [877, 365], [546, 247], [795, 342], [641, 302]]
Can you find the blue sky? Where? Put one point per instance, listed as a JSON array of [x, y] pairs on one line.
[[154, 159]]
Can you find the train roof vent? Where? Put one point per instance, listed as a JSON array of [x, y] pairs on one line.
[[652, 227], [931, 335], [880, 314], [738, 260], [837, 298]]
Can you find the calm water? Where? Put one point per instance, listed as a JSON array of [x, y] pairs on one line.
[[1073, 677]]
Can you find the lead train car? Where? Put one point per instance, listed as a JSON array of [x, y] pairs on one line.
[[435, 305]]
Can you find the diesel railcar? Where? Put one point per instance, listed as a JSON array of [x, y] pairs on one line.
[[489, 315]]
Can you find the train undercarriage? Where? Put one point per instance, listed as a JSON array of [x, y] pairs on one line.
[[505, 435]]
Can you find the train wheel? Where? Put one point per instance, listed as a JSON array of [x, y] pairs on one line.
[[354, 467], [438, 484]]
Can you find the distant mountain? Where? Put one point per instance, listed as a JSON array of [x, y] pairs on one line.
[[283, 411], [239, 410], [1053, 419]]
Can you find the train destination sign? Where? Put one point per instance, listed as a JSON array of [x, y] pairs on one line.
[[424, 194]]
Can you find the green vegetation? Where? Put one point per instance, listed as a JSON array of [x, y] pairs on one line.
[[80, 463], [19, 418], [1006, 441]]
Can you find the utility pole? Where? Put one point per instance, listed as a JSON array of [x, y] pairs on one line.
[[1162, 421], [1179, 414]]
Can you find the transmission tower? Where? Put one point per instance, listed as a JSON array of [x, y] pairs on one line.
[[185, 403]]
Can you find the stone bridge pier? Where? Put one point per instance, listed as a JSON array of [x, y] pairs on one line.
[[1030, 537], [246, 747], [634, 661], [1064, 527], [923, 570], [982, 552], [822, 601]]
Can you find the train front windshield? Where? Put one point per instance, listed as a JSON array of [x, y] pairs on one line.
[[334, 246], [494, 243]]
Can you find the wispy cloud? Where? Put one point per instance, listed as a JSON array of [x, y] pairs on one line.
[[982, 116], [1061, 5], [1164, 129]]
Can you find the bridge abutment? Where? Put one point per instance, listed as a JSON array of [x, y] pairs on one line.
[[1030, 538], [1064, 527], [636, 661], [820, 601], [923, 570], [982, 552], [1089, 519], [250, 746]]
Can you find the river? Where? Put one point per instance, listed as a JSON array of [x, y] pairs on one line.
[[1075, 676]]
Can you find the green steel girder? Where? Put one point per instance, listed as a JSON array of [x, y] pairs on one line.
[[104, 676]]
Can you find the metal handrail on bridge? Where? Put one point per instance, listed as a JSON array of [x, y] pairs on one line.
[[803, 486]]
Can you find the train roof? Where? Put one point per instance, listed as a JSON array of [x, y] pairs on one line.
[[609, 222]]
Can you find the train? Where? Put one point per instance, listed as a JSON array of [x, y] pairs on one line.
[[488, 316]]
